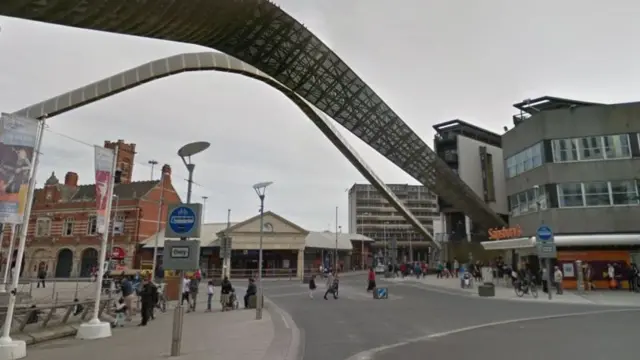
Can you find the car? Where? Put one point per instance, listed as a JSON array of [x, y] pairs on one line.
[[379, 269]]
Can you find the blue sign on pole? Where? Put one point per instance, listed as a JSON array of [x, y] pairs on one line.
[[544, 233], [182, 220]]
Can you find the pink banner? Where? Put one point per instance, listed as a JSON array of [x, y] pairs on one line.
[[104, 159]]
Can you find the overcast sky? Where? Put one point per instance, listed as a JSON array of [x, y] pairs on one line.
[[431, 61]]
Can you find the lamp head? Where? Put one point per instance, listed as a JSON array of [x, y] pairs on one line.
[[261, 187]]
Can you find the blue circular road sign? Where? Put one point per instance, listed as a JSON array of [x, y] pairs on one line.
[[544, 233], [182, 219]]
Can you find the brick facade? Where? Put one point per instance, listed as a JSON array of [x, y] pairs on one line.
[[60, 230]]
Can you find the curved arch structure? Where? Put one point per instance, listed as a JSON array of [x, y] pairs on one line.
[[217, 62], [260, 33]]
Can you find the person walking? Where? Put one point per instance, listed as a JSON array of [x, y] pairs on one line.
[[146, 300], [312, 286], [557, 278], [333, 288], [371, 283], [128, 294], [185, 290], [193, 292]]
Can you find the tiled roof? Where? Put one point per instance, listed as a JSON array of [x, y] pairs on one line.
[[132, 190]]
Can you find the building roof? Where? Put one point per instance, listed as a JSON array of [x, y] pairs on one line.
[[327, 240], [459, 127], [208, 235], [530, 107], [129, 191]]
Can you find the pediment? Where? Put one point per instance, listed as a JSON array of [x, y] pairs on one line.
[[272, 224]]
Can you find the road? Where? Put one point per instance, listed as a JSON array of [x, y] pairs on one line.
[[417, 320]]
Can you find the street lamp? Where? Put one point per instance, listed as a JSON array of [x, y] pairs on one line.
[[361, 216], [185, 153], [260, 189], [113, 230], [153, 164]]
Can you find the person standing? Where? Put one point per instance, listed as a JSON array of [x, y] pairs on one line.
[[128, 295], [209, 295], [193, 292], [557, 278], [312, 286], [146, 300], [185, 290], [371, 283], [42, 274]]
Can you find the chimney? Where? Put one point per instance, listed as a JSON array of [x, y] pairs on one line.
[[71, 179], [166, 172]]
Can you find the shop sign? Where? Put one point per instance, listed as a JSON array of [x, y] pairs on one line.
[[118, 253], [505, 233]]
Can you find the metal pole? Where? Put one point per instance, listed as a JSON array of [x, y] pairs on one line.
[[259, 300], [226, 258], [12, 239], [178, 314], [384, 253], [410, 247], [154, 263], [103, 245], [6, 338], [113, 230], [547, 261], [153, 165], [335, 253]]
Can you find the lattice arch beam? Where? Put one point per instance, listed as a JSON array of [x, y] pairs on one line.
[[209, 61]]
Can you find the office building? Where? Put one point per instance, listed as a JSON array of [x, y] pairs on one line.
[[475, 154], [573, 166], [371, 215]]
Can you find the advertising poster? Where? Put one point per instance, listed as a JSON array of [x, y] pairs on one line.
[[104, 159], [18, 138]]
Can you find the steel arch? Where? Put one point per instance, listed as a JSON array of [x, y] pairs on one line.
[[177, 64], [259, 33]]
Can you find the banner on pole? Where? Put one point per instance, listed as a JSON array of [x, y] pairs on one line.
[[104, 159], [18, 139]]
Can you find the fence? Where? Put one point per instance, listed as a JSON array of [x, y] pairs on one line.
[[34, 319], [279, 274], [56, 290]]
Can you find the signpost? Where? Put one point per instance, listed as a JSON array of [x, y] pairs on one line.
[[546, 248], [183, 221]]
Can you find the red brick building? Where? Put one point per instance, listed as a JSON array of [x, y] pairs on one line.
[[62, 233]]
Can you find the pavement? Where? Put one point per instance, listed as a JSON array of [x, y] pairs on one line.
[[357, 327], [504, 292], [224, 335]]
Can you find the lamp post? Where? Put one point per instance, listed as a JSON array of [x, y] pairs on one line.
[[113, 229], [153, 164], [547, 262], [154, 261], [185, 153], [260, 189], [362, 240], [335, 252]]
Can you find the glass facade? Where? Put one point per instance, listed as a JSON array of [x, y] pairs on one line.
[[608, 147], [598, 193], [526, 202], [527, 159]]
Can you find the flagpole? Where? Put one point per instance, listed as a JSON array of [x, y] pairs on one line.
[[158, 229], [94, 328], [17, 349]]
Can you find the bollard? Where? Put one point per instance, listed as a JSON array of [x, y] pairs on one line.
[[579, 276], [176, 334]]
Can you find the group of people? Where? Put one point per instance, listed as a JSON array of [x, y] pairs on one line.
[[332, 285], [149, 295]]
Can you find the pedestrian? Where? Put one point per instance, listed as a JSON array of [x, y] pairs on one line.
[[371, 283], [146, 300], [154, 298], [209, 295], [42, 274], [185, 290], [333, 288], [128, 294], [312, 286], [193, 292], [120, 310], [558, 277]]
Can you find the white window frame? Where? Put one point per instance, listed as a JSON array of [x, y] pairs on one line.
[[560, 195], [516, 164], [584, 194], [635, 187], [609, 189], [92, 219], [116, 219], [66, 222], [579, 148], [47, 232]]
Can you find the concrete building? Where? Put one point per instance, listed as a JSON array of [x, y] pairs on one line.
[[578, 162], [475, 154], [371, 215], [62, 235]]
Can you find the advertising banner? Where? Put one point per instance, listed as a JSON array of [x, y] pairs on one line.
[[18, 139], [104, 159]]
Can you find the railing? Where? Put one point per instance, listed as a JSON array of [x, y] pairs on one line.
[[33, 319], [56, 291], [275, 274]]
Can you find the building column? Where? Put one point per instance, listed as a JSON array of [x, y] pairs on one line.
[[300, 267]]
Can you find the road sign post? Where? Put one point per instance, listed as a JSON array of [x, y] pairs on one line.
[[546, 249]]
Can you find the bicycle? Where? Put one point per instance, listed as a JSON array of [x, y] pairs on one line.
[[522, 288]]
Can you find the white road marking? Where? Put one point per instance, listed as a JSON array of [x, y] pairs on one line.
[[369, 354], [284, 320]]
